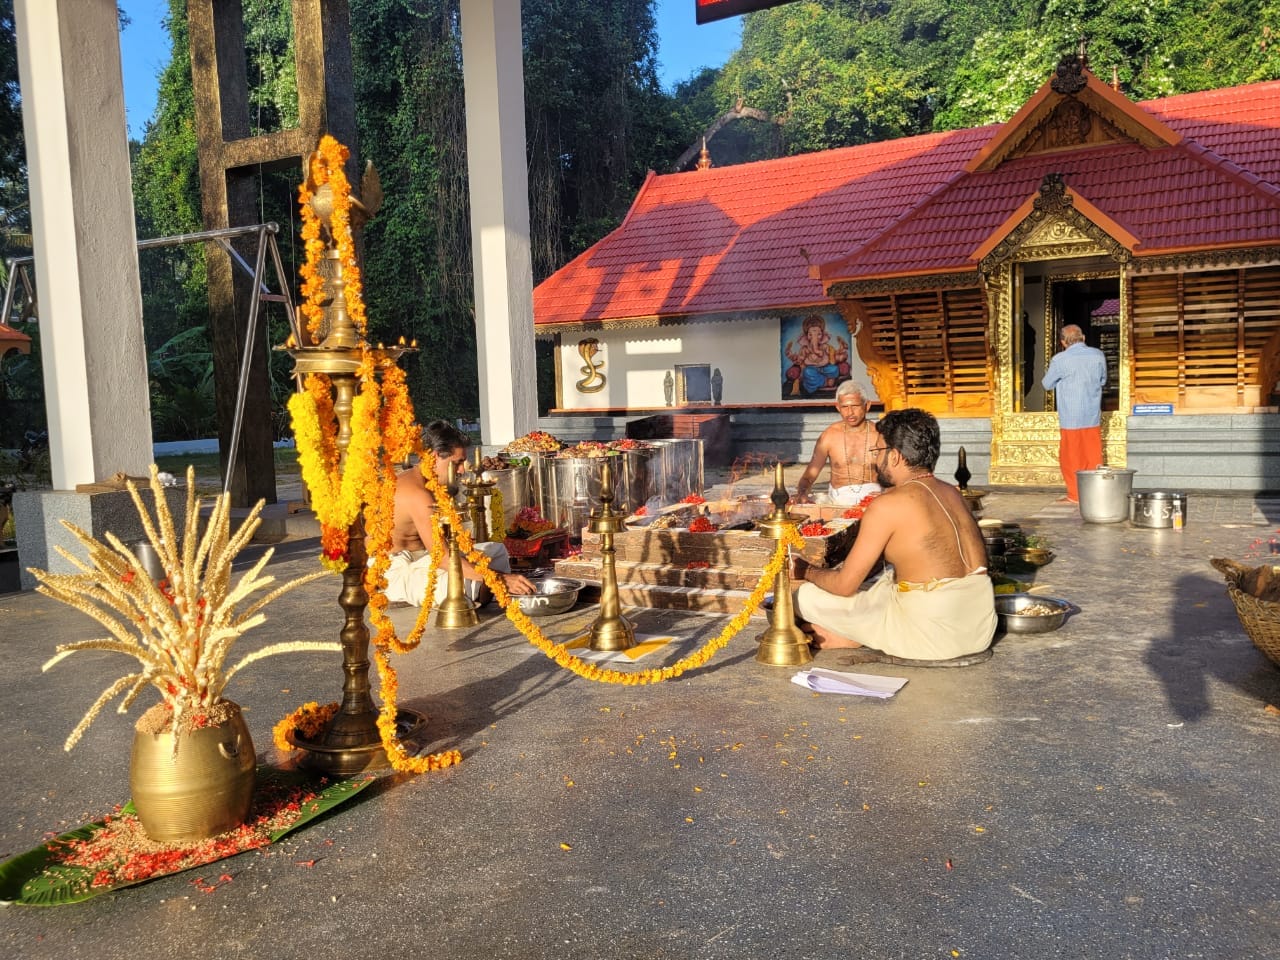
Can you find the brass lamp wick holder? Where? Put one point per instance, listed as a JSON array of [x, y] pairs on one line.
[[611, 630], [783, 644]]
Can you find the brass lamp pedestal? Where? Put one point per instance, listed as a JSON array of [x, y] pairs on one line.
[[783, 644], [456, 611], [611, 630]]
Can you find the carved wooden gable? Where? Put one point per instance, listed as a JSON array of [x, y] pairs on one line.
[[1073, 110]]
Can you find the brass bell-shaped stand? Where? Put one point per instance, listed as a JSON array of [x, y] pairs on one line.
[[478, 489], [456, 611], [611, 630], [783, 644]]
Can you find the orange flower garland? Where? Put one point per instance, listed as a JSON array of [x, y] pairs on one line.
[[328, 168], [308, 720]]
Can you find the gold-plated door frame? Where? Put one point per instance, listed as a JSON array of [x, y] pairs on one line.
[[1024, 445]]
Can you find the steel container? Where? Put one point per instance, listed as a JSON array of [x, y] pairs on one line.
[[1156, 508], [517, 493], [674, 471], [1010, 609], [567, 489], [1104, 494]]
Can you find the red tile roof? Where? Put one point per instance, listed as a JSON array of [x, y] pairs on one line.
[[744, 238]]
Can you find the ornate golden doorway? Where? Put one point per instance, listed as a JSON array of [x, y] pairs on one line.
[[1031, 296]]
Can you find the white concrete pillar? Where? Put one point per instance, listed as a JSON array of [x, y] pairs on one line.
[[86, 257], [493, 73]]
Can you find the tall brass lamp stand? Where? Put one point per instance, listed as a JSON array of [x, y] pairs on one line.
[[783, 644], [611, 631], [456, 610], [351, 741]]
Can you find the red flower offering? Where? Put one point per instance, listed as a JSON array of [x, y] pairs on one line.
[[694, 498], [814, 529], [702, 525]]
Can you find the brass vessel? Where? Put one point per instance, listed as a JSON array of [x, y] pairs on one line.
[[783, 644], [611, 630], [201, 789]]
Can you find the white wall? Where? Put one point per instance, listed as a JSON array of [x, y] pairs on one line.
[[747, 353]]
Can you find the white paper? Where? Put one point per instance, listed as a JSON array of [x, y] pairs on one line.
[[859, 684]]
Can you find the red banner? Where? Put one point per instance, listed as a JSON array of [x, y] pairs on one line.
[[709, 10]]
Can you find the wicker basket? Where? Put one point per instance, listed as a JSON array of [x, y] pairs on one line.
[[1260, 618]]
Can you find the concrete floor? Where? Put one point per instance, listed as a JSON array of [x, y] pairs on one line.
[[1109, 790]]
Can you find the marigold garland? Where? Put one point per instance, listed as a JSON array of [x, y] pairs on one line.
[[592, 671], [328, 168], [383, 434], [307, 721]]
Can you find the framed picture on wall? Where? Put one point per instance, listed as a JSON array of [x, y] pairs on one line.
[[693, 383], [814, 355]]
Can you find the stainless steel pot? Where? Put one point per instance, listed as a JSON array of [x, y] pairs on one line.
[[567, 489], [1156, 508], [1104, 494]]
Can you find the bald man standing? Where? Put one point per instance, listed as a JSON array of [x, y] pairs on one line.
[[1077, 375]]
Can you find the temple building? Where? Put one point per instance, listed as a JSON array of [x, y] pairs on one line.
[[939, 269]]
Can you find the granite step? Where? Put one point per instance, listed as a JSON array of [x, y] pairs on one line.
[[714, 590]]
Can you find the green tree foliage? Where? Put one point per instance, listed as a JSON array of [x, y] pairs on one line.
[[596, 120], [837, 72], [166, 187]]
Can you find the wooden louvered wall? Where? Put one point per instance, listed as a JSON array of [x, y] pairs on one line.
[[936, 343], [1205, 340]]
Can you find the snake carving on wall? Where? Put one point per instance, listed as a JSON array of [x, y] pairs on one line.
[[594, 380]]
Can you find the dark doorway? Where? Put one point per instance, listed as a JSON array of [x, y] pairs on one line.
[[1093, 305]]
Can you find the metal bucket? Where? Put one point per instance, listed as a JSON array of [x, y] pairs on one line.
[[1104, 494], [1156, 508], [149, 559]]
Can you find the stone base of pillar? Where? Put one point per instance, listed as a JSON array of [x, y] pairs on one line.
[[36, 516]]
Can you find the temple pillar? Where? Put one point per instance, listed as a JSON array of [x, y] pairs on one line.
[[85, 242], [497, 168]]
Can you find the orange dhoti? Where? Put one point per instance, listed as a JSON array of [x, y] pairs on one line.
[[1078, 450]]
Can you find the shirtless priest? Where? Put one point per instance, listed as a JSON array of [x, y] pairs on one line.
[[411, 529], [938, 604], [847, 444]]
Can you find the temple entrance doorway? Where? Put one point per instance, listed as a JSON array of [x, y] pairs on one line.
[[1039, 298]]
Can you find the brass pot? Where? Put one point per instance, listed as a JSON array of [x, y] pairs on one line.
[[203, 789]]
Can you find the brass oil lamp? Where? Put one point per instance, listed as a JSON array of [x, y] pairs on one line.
[[611, 630], [351, 742], [456, 610], [478, 489], [783, 644]]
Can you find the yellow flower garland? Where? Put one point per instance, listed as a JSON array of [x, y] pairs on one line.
[[383, 434], [592, 671]]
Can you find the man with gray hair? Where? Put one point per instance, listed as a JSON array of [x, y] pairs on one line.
[[847, 444], [1076, 376]]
